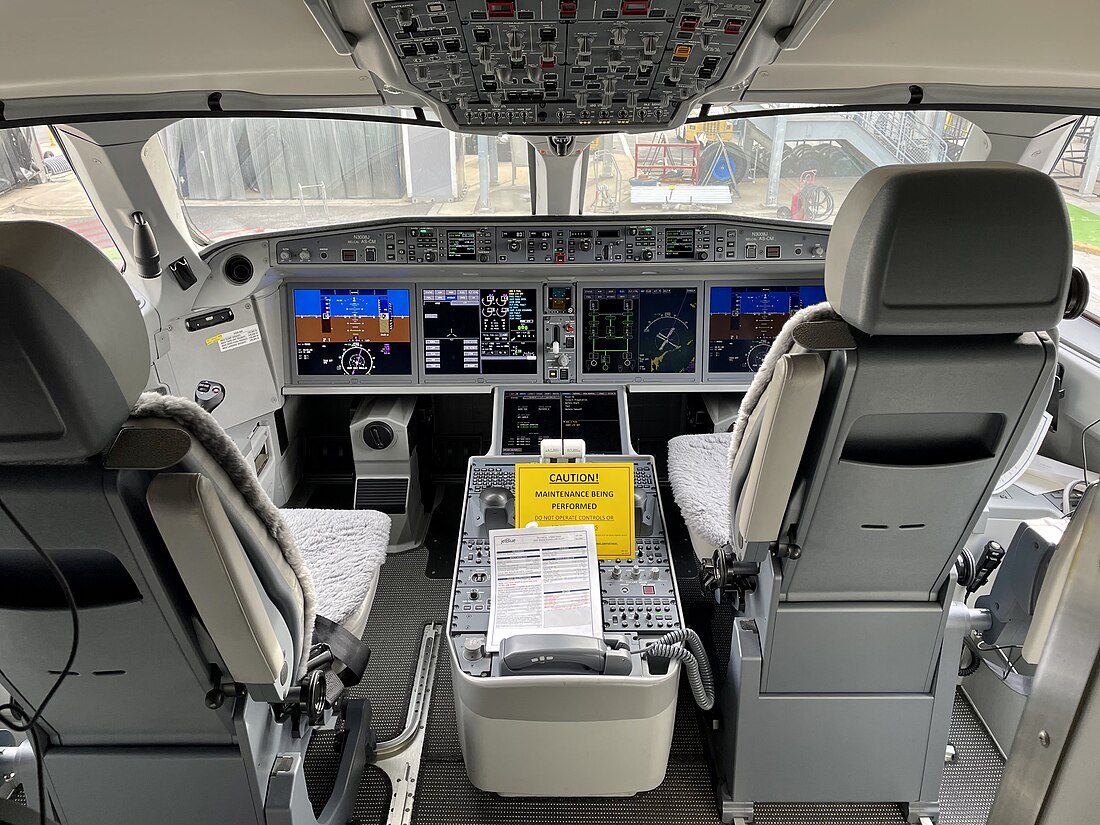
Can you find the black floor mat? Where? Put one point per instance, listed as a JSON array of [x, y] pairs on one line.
[[405, 602]]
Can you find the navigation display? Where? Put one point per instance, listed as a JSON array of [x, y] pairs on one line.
[[745, 320], [639, 330], [348, 332], [529, 417], [480, 331]]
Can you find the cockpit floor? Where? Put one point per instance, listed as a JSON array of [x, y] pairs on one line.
[[408, 598]]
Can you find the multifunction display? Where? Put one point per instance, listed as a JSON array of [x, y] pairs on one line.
[[349, 332], [480, 331], [744, 321], [529, 417], [639, 330]]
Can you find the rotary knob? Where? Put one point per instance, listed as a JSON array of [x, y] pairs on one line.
[[562, 360], [504, 74], [515, 40], [617, 573], [548, 55], [675, 73], [473, 648], [405, 16], [618, 35], [649, 43], [817, 250], [303, 255], [584, 44], [534, 73]]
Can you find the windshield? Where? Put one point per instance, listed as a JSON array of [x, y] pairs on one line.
[[775, 165], [238, 176]]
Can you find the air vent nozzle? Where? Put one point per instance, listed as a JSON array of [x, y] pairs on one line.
[[238, 270]]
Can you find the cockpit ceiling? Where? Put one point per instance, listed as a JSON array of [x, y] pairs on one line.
[[856, 51], [996, 48], [125, 47]]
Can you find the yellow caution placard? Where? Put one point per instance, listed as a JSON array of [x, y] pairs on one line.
[[598, 494]]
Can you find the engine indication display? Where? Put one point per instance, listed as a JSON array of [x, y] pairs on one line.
[[744, 321], [531, 416], [352, 332], [639, 330], [480, 331]]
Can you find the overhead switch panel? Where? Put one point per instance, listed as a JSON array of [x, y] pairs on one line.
[[544, 65]]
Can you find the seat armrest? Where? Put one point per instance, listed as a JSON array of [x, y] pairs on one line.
[[244, 625], [791, 402]]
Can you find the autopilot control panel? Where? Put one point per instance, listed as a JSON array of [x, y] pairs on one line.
[[640, 599]]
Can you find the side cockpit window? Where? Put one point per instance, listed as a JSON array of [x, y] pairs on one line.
[[1077, 172], [38, 183]]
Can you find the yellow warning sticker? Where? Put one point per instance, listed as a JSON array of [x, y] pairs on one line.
[[597, 494], [213, 340]]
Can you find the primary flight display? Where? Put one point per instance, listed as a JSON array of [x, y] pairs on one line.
[[744, 322], [349, 332]]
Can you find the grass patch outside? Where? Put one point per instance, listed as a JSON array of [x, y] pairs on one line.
[[1086, 228]]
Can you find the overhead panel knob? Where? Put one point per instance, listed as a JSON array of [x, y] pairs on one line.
[[454, 70], [534, 73], [675, 73], [614, 59], [515, 40], [421, 74], [548, 59], [405, 16], [649, 43], [708, 10], [584, 44], [618, 35], [504, 74]]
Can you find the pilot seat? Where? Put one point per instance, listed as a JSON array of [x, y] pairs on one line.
[[216, 631], [837, 508]]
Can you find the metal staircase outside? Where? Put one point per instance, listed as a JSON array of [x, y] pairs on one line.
[[904, 134]]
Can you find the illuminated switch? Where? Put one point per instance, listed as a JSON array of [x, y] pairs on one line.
[[682, 52]]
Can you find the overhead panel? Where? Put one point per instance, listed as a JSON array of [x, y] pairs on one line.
[[539, 65]]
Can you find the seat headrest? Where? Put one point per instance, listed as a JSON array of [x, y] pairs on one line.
[[74, 352], [950, 249]]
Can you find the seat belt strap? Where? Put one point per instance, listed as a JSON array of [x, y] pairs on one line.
[[351, 653]]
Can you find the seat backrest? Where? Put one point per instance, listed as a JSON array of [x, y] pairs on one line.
[[145, 523], [949, 277]]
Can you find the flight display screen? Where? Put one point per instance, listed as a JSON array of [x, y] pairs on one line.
[[349, 332], [530, 417], [639, 330], [744, 321], [480, 331]]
